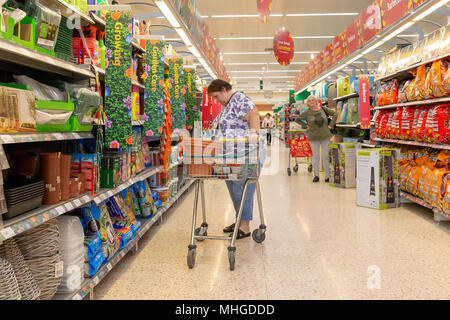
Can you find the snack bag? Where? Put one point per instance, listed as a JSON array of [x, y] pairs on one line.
[[435, 83], [405, 168], [421, 122], [411, 88], [427, 135], [436, 185], [441, 128], [413, 177], [446, 82], [422, 181], [443, 159], [445, 200], [407, 122], [402, 97]]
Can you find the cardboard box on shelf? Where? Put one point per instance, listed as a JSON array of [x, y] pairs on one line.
[[378, 178], [342, 161], [17, 110]]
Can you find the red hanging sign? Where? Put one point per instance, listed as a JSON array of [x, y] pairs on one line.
[[215, 109], [206, 110], [328, 56], [338, 48], [283, 46], [351, 39], [394, 10], [369, 22], [364, 102], [264, 8], [418, 2]]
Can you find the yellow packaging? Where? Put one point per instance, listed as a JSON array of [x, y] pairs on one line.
[[135, 106]]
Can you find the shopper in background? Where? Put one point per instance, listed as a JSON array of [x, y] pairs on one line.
[[268, 124], [319, 133], [238, 119]]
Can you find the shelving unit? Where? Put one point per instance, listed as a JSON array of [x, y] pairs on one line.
[[43, 136], [438, 214], [415, 103], [415, 143], [90, 283], [348, 96], [341, 125]]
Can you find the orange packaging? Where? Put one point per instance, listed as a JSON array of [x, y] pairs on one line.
[[413, 178], [436, 185], [420, 81], [411, 89], [405, 168], [445, 200], [424, 176], [435, 79], [427, 187]]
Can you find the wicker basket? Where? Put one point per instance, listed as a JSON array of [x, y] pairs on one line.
[[28, 286], [9, 288], [44, 272]]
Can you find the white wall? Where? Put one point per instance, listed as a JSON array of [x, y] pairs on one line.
[[277, 97]]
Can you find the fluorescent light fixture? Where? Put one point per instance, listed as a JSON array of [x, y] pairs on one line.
[[312, 56], [183, 36], [322, 14], [243, 15], [313, 37], [247, 38], [167, 13], [276, 63], [256, 63], [271, 77], [194, 51], [205, 16], [398, 31], [430, 10]]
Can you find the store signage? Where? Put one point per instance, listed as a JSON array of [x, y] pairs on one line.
[[283, 46], [417, 3], [369, 22], [192, 115], [394, 10], [338, 48], [118, 128], [364, 102], [351, 39], [177, 91], [206, 110], [154, 87], [264, 7], [328, 56], [215, 109], [320, 63]]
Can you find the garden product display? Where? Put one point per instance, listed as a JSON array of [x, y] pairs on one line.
[[51, 173], [342, 162]]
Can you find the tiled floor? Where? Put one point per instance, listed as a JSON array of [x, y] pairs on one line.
[[319, 245]]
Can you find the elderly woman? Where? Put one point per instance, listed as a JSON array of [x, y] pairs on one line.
[[238, 119], [319, 133]]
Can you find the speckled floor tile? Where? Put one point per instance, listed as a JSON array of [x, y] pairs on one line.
[[319, 245]]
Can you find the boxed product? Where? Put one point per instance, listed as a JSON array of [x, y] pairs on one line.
[[17, 110], [342, 162], [110, 170], [343, 86], [110, 242], [378, 178]]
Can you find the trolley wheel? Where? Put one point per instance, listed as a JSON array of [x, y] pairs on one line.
[[191, 258], [232, 259], [296, 168], [202, 231], [289, 171], [310, 168], [258, 235]]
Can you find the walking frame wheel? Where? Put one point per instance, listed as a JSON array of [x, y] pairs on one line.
[[232, 259], [202, 231], [296, 168], [191, 258], [289, 171], [310, 168], [259, 235]]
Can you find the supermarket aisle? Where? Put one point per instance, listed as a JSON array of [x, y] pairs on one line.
[[319, 245]]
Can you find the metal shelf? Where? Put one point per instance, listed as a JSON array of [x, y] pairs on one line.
[[137, 46], [341, 125], [415, 103], [348, 96], [368, 145], [416, 143], [90, 283], [404, 71], [12, 138], [24, 222], [425, 204], [97, 20]]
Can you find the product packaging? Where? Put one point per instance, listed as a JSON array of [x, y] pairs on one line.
[[378, 178], [342, 162]]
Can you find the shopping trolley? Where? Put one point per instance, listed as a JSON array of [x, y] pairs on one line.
[[230, 160], [298, 149]]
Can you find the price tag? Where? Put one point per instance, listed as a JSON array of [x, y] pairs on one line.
[[77, 202], [59, 268], [7, 139], [60, 209], [96, 280], [76, 136], [69, 206], [76, 297], [86, 198], [109, 194], [58, 136], [7, 233], [109, 267]]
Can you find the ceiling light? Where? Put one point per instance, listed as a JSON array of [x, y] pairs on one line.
[[183, 36], [243, 15], [194, 51], [270, 71], [312, 56], [271, 77], [313, 37], [167, 13], [247, 38], [322, 14]]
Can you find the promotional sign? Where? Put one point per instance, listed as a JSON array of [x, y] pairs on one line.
[[394, 10], [338, 48], [283, 46], [328, 56], [351, 39], [369, 22], [215, 109], [319, 63], [264, 7], [154, 87], [417, 3], [191, 99], [118, 128], [206, 110], [364, 102], [177, 91]]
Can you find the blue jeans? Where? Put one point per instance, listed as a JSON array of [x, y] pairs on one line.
[[236, 190]]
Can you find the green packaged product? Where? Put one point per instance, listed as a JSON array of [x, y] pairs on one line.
[[47, 27]]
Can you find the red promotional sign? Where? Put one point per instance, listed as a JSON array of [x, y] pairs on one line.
[[319, 63], [264, 8], [351, 39], [328, 56], [338, 48], [364, 102], [283, 46], [215, 109], [418, 2], [394, 10], [369, 22]]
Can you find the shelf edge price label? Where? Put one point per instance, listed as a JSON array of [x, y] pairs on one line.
[[69, 206], [77, 202], [58, 136], [96, 280], [60, 209], [7, 139], [109, 266], [7, 233]]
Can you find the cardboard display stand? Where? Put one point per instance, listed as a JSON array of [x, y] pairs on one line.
[[342, 162]]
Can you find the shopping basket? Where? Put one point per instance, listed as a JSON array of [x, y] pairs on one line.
[[227, 159], [299, 147]]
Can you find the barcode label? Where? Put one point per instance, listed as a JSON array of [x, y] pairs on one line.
[[109, 266], [7, 139], [59, 268], [96, 280], [77, 202], [69, 206], [60, 209], [58, 136], [7, 233], [86, 198]]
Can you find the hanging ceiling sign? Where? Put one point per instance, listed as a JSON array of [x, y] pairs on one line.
[[394, 10], [338, 48], [351, 39], [418, 2], [283, 46], [369, 22], [328, 56], [264, 8]]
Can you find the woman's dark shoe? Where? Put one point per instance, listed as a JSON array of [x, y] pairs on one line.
[[316, 179], [241, 234], [327, 179], [228, 229]]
